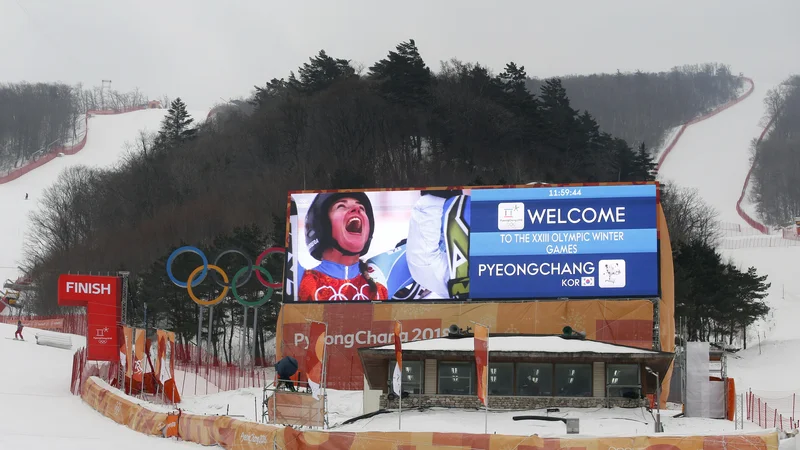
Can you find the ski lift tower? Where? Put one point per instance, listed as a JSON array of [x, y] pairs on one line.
[[106, 84]]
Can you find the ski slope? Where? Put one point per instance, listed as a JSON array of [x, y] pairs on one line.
[[713, 156], [108, 138], [37, 407]]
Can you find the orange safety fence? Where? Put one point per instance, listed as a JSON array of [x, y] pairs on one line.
[[234, 434]]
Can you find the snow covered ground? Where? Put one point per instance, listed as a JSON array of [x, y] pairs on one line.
[[713, 156], [592, 422], [36, 405], [245, 404], [39, 412]]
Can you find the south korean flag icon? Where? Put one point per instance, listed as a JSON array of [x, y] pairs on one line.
[[587, 281]]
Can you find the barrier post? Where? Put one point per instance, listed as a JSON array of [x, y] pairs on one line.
[[199, 345], [243, 345]]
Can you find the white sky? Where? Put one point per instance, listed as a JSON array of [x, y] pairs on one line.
[[204, 50]]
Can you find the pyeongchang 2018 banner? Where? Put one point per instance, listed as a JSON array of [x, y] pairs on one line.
[[482, 243], [564, 242]]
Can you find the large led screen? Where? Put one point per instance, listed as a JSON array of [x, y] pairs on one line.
[[474, 243]]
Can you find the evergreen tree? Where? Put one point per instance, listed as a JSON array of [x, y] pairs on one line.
[[750, 290], [176, 127], [516, 96], [275, 89], [716, 298], [645, 165], [320, 73], [403, 77]]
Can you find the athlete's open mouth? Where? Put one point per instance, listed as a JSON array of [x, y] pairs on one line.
[[354, 225]]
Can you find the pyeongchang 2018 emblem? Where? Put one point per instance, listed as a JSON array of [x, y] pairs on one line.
[[101, 335], [511, 216], [612, 273]]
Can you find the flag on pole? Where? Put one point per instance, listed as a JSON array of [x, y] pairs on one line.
[[314, 355], [481, 342], [397, 376]]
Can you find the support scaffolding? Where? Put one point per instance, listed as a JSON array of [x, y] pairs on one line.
[[282, 406]]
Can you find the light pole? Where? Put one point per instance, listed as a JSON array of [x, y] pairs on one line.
[[658, 399]]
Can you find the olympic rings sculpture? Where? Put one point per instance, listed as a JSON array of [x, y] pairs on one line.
[[240, 278]]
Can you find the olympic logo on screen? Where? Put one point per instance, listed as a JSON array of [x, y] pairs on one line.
[[240, 278]]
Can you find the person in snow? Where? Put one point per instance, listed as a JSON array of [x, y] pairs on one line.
[[286, 368], [26, 196], [339, 230], [19, 330], [438, 242]]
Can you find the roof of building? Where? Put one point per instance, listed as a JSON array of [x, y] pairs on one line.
[[537, 344]]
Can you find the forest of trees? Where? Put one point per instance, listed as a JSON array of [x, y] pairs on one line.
[[224, 182], [35, 118], [717, 300], [639, 107], [776, 169]]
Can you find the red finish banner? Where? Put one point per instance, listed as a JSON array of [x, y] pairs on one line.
[[101, 297], [481, 339]]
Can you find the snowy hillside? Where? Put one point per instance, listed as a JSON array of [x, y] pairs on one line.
[[107, 140], [713, 156]]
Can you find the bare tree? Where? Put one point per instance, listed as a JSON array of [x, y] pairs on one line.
[[689, 218]]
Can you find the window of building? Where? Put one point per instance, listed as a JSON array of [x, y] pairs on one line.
[[412, 376], [456, 378], [501, 378], [573, 380], [534, 379], [624, 380]]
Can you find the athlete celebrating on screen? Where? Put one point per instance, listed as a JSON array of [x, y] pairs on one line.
[[339, 230]]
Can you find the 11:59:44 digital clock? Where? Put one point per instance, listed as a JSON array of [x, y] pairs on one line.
[[564, 192]]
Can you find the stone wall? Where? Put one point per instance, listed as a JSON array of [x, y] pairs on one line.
[[512, 403]]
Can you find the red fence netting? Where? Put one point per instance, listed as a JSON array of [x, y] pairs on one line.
[[773, 412], [62, 323]]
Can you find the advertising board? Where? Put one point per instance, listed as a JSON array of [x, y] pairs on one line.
[[487, 243], [367, 324]]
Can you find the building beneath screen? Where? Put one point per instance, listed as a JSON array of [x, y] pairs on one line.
[[525, 372]]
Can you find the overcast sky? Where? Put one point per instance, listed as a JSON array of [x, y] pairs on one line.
[[208, 50]]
